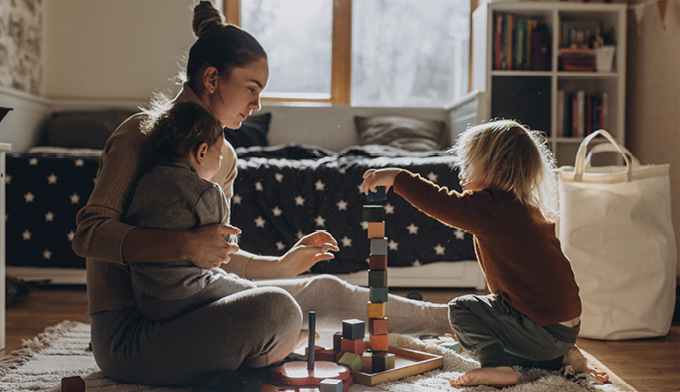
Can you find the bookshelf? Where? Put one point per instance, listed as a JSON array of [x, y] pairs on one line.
[[536, 62]]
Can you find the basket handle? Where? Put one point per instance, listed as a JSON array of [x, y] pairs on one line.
[[579, 164]]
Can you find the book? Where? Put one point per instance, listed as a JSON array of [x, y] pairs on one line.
[[560, 113], [580, 113]]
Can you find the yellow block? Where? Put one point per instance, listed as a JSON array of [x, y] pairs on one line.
[[376, 310]]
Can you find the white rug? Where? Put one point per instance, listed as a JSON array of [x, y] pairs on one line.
[[62, 351]]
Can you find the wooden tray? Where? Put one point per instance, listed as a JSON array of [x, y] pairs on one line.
[[407, 363]]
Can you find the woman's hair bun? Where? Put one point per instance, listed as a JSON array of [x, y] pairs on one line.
[[206, 18]]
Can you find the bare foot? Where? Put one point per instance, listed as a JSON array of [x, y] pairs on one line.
[[580, 364], [503, 376], [303, 338]]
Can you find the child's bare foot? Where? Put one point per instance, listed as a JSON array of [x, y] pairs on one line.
[[503, 376], [580, 364], [303, 339]]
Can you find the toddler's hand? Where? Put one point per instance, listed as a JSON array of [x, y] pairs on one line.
[[380, 177]]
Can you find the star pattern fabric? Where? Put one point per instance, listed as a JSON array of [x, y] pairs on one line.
[[281, 193]]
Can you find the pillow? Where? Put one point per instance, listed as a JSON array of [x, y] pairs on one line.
[[407, 133], [253, 132], [83, 129]]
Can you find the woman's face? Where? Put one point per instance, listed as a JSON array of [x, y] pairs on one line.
[[237, 95]]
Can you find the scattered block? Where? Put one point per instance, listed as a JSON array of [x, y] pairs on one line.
[[330, 385], [377, 262], [453, 346], [352, 346], [351, 360], [353, 329], [73, 384], [378, 294], [377, 278], [379, 343], [376, 310], [376, 229], [383, 361], [373, 213], [337, 341], [367, 361], [378, 246], [377, 326], [380, 194]]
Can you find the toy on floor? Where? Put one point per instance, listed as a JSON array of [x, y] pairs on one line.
[[72, 384]]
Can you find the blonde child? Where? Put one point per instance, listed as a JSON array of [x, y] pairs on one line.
[[531, 317]]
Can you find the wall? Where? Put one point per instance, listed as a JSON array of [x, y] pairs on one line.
[[653, 94]]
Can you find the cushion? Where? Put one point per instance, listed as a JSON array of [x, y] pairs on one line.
[[253, 132], [407, 133], [83, 129]]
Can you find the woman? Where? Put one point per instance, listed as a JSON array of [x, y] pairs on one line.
[[226, 72]]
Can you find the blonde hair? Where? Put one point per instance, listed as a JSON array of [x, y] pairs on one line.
[[507, 156]]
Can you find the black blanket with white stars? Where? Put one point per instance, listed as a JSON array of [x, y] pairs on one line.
[[280, 194]]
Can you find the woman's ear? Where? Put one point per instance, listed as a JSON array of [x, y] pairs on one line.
[[210, 79], [201, 151]]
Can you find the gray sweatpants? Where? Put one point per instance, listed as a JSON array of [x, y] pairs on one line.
[[496, 334], [257, 327]]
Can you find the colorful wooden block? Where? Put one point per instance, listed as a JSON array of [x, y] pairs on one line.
[[377, 262], [378, 246], [378, 294], [380, 194], [379, 343], [453, 346], [73, 384], [330, 385], [377, 278], [353, 329], [327, 355], [383, 361], [352, 346], [377, 326], [367, 361], [376, 310], [351, 360], [376, 229], [373, 213], [337, 340]]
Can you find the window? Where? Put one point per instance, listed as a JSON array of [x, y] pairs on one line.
[[368, 53]]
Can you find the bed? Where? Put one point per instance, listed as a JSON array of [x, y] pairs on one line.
[[281, 193]]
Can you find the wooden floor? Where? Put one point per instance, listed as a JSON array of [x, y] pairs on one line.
[[648, 365]]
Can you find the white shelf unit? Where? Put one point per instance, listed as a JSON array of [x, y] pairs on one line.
[[610, 16]]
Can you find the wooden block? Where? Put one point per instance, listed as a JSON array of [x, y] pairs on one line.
[[453, 346], [377, 278], [377, 326], [380, 194], [373, 213], [337, 338], [376, 229], [367, 361], [378, 246], [352, 346], [351, 360], [383, 361], [379, 343], [378, 294], [327, 355], [376, 310], [353, 329], [330, 385], [73, 384], [377, 262]]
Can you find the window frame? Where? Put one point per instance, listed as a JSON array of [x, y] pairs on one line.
[[341, 55]]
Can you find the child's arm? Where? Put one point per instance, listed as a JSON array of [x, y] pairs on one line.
[[379, 177]]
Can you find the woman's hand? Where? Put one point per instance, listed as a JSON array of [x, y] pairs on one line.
[[308, 251], [207, 248], [379, 177]]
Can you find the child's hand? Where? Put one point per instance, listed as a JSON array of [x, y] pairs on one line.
[[380, 177]]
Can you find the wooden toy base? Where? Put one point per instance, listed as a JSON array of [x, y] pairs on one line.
[[407, 363], [295, 375]]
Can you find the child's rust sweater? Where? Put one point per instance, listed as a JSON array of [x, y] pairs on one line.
[[515, 244]]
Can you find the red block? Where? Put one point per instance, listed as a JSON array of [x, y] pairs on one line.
[[352, 346], [377, 326], [73, 384], [377, 262], [326, 355]]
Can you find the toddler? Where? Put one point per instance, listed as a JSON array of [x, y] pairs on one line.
[[531, 317]]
